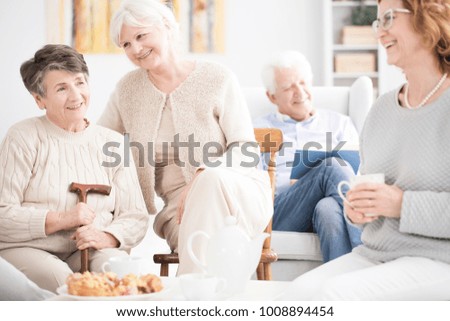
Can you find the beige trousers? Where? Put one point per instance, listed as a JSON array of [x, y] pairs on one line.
[[50, 272], [215, 194], [166, 222]]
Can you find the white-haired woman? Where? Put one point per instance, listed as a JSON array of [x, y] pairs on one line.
[[193, 114]]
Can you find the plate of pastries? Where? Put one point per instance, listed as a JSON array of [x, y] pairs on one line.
[[108, 286]]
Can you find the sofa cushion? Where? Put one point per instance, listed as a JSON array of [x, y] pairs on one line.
[[296, 246]]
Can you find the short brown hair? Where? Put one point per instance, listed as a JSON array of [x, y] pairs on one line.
[[431, 21], [51, 57]]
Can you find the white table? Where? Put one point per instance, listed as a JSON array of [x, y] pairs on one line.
[[254, 291], [262, 290]]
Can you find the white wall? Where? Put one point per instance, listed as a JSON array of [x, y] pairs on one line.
[[254, 30], [22, 33]]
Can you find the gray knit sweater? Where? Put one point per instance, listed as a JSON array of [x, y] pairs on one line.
[[409, 146]]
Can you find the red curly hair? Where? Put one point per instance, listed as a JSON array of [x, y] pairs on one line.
[[430, 19]]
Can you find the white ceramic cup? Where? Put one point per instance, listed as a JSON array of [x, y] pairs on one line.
[[123, 265], [368, 178], [201, 287]]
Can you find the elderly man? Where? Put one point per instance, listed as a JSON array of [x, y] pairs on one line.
[[312, 202]]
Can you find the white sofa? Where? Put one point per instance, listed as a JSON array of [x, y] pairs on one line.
[[300, 252]]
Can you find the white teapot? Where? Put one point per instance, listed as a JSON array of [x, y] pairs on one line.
[[230, 254]]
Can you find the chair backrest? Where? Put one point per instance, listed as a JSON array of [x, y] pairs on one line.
[[269, 141], [354, 101]]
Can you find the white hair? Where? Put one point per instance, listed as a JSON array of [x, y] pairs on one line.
[[143, 13], [285, 59]]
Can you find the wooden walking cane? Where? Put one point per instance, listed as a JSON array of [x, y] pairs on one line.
[[82, 190]]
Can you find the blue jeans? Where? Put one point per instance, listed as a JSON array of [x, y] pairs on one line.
[[312, 204]]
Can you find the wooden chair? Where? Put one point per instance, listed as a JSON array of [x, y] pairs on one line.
[[269, 141]]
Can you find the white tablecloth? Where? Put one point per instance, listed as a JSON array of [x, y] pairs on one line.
[[254, 291]]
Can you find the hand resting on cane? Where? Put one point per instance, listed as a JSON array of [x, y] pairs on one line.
[[79, 215], [89, 236]]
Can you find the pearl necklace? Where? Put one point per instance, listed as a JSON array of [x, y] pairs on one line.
[[427, 97]]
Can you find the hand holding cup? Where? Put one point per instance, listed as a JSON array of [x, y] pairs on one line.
[[359, 179]]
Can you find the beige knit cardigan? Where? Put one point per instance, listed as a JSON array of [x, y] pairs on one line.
[[209, 105]]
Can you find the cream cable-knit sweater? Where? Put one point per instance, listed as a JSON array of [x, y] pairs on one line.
[[410, 147], [39, 160], [208, 104]]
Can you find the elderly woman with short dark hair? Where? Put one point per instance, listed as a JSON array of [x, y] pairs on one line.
[[43, 228]]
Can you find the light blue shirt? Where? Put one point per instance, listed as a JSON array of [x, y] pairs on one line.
[[308, 134]]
